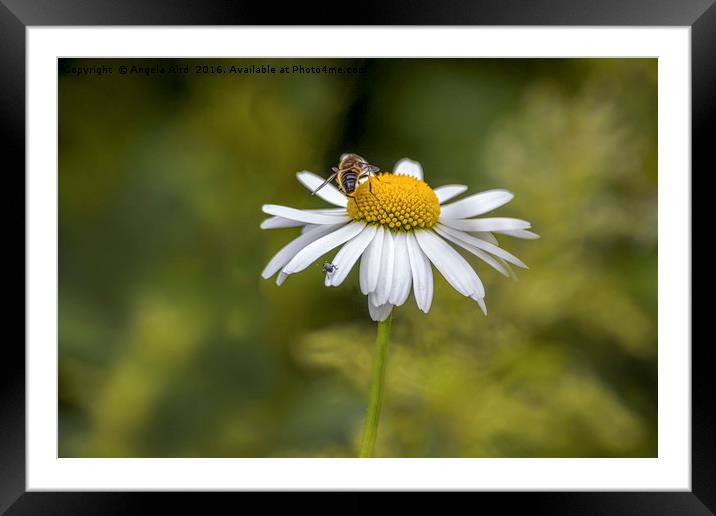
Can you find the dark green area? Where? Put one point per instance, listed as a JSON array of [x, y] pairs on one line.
[[171, 344]]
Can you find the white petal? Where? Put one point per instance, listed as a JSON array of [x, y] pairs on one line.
[[279, 222], [476, 204], [408, 167], [520, 233], [487, 237], [281, 278], [422, 274], [306, 227], [306, 216], [290, 250], [487, 224], [507, 266], [485, 246], [478, 288], [378, 312], [315, 250], [370, 262], [387, 265], [451, 265], [402, 278], [481, 302], [447, 192], [328, 193], [349, 254], [329, 211], [495, 263]]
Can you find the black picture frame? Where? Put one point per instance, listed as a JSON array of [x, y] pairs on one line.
[[17, 15]]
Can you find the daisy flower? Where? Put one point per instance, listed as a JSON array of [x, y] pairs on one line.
[[397, 226]]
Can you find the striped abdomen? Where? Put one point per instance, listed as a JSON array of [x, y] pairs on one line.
[[347, 181]]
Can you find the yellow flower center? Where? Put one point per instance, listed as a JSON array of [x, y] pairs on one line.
[[395, 201]]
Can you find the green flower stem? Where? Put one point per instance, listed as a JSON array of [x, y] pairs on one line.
[[370, 429]]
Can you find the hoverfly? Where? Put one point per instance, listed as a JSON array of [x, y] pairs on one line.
[[351, 169]]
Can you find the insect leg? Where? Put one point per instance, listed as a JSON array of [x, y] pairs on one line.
[[370, 185], [373, 170], [330, 178]]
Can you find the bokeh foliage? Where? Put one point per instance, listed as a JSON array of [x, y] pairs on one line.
[[171, 344]]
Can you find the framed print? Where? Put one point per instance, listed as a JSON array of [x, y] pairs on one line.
[[443, 251]]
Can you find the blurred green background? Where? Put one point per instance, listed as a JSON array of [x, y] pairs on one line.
[[171, 344]]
